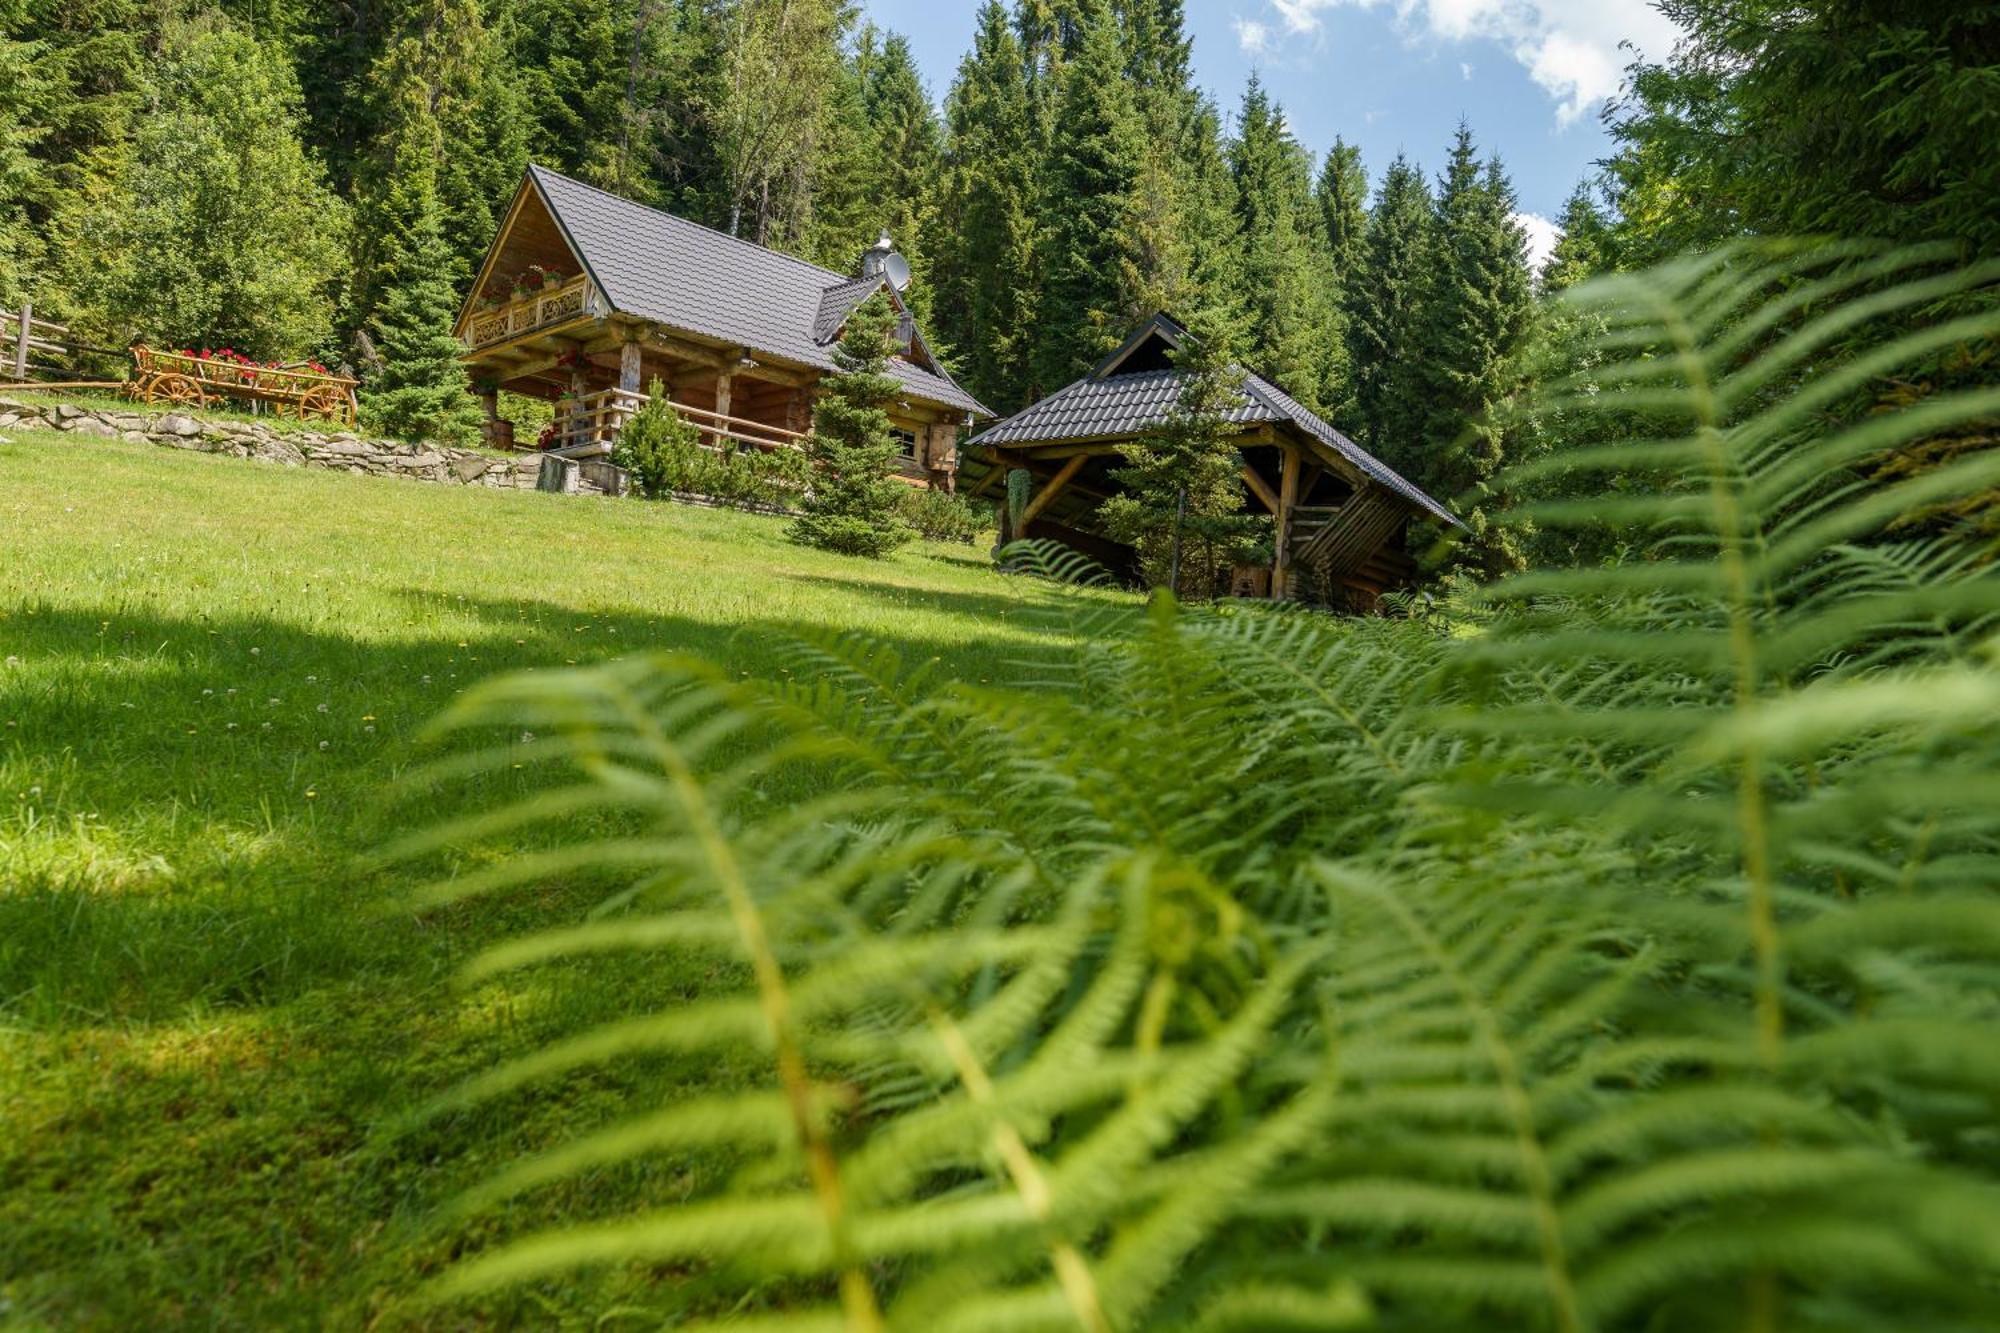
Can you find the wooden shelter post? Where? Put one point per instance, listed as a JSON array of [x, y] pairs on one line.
[[21, 343], [1049, 492], [1288, 499]]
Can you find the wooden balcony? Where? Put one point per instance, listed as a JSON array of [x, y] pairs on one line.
[[550, 306], [588, 426]]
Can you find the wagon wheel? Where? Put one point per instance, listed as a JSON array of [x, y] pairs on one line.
[[323, 401], [179, 390]]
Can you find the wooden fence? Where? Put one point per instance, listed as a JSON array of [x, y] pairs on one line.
[[31, 347]]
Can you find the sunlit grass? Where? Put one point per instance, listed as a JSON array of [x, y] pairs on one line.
[[212, 673]]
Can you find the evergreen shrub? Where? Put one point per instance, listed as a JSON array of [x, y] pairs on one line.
[[853, 503], [663, 452], [937, 516]]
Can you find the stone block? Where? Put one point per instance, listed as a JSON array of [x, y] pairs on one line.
[[178, 423]]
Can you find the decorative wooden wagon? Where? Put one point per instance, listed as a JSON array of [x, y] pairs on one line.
[[182, 379]]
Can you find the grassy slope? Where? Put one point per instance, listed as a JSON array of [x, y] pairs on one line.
[[209, 1022]]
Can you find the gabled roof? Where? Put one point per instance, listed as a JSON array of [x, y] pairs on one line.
[[1106, 405], [839, 301], [680, 274]]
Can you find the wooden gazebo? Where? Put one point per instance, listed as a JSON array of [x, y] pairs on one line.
[[1340, 513]]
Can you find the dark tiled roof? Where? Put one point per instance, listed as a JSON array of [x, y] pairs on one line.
[[687, 276], [839, 301], [1122, 406]]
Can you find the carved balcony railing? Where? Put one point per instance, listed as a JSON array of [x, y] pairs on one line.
[[551, 305]]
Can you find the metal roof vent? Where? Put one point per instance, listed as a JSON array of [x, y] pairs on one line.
[[881, 261]]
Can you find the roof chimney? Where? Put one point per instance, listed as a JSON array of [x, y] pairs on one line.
[[876, 257]]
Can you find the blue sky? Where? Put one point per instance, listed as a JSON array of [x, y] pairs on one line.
[[1394, 75]]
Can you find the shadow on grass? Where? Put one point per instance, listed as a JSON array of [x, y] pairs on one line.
[[182, 799], [220, 1024]]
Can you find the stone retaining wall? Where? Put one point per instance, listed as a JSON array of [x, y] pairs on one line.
[[343, 450]]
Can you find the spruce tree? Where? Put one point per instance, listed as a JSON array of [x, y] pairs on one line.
[[1342, 195], [444, 105], [1386, 336], [1476, 316], [907, 166], [1096, 157], [1181, 245], [1342, 198], [852, 505], [1291, 324], [420, 393], [1180, 503], [988, 293], [1585, 248]]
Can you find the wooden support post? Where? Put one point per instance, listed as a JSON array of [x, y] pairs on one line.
[[1050, 491], [572, 430], [631, 366], [1260, 488], [21, 344], [1288, 498], [723, 386]]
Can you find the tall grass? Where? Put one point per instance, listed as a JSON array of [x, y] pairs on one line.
[[1627, 963]]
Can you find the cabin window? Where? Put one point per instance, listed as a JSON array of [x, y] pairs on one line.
[[906, 443]]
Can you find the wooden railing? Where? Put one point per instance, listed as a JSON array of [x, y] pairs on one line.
[[591, 424], [28, 338], [553, 305]]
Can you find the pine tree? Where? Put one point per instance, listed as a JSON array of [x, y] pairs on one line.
[[1096, 158], [987, 290], [1385, 308], [421, 392], [1289, 318], [852, 506]]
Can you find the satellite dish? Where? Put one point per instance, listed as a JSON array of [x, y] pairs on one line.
[[897, 270]]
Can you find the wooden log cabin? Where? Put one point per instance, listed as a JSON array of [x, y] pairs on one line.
[[1341, 515], [586, 298]]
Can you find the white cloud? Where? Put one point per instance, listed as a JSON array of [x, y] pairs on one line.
[[1254, 37], [1569, 47], [1465, 69], [1542, 237]]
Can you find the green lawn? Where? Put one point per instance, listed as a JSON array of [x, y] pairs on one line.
[[211, 673]]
